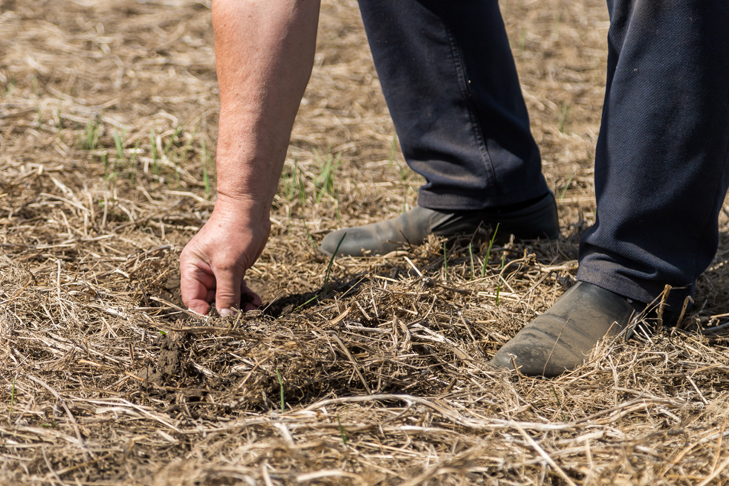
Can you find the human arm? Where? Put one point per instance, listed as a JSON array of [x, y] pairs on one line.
[[264, 54]]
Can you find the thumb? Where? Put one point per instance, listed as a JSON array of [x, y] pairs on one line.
[[227, 292]]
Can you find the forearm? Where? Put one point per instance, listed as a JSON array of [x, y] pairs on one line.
[[264, 54]]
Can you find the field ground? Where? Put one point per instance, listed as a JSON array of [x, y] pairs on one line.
[[370, 371]]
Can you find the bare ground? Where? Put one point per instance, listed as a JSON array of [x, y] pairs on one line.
[[369, 371]]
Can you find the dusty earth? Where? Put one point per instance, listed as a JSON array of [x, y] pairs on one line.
[[369, 371]]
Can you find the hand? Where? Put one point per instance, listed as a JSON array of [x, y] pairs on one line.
[[214, 262]]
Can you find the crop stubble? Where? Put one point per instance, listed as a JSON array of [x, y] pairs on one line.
[[107, 380]]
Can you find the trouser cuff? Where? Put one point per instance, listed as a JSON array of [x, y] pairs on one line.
[[460, 202], [611, 279]]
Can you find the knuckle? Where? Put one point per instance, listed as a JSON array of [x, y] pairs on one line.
[[228, 263], [227, 266]]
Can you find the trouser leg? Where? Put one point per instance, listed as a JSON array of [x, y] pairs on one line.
[[662, 155], [450, 83]]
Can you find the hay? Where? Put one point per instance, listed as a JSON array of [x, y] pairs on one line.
[[106, 379]]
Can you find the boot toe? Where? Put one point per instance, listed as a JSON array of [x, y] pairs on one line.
[[563, 337], [538, 352], [347, 242]]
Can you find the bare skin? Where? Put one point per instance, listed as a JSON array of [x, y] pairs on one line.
[[264, 56]]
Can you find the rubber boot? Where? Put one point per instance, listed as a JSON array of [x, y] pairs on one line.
[[536, 220], [563, 337]]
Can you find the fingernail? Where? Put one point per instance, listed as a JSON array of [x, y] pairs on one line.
[[225, 312]]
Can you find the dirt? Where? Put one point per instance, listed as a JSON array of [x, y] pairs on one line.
[[168, 367], [366, 371]]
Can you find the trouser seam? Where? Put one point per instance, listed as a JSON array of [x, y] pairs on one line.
[[476, 129]]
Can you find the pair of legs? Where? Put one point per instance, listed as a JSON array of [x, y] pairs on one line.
[[662, 158]]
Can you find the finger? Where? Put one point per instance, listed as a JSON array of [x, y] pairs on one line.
[[195, 285], [199, 305], [253, 301], [227, 292]]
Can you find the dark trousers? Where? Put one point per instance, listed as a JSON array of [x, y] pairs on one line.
[[662, 156]]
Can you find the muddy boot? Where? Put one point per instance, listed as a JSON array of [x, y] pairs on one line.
[[535, 219], [563, 337]]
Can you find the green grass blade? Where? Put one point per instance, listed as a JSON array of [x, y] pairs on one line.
[[119, 146], [393, 150], [566, 186], [308, 301], [329, 267], [342, 431], [281, 389], [559, 403], [153, 150], [175, 136], [92, 134], [488, 251], [325, 181], [105, 159], [302, 189], [132, 164]]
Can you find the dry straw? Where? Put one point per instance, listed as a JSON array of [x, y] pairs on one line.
[[106, 379]]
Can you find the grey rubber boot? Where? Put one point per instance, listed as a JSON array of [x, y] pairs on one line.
[[563, 337], [538, 220]]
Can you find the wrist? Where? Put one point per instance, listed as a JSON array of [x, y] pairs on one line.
[[248, 179], [242, 209]]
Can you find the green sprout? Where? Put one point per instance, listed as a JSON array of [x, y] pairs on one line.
[[91, 132], [329, 267], [302, 188], [566, 186], [153, 149], [281, 389], [342, 431], [393, 150], [119, 144], [132, 163], [105, 160], [326, 178], [488, 251], [559, 403], [325, 289], [175, 136]]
